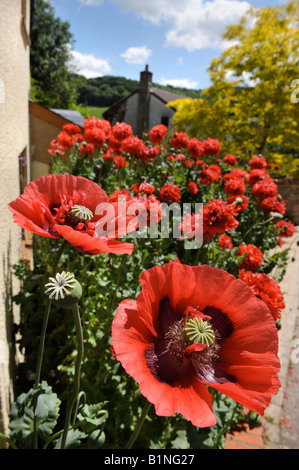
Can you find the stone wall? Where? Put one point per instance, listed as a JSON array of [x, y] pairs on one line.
[[14, 173], [289, 190]]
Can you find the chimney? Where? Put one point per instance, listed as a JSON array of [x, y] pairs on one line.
[[145, 85]]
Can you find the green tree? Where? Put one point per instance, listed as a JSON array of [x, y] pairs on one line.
[[53, 84], [248, 106]]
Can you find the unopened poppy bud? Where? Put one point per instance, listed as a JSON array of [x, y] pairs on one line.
[[64, 290], [238, 200], [277, 215]]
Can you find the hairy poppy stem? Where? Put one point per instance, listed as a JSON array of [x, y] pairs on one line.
[[45, 320], [255, 225], [197, 257], [76, 387], [138, 425], [58, 256], [43, 335]]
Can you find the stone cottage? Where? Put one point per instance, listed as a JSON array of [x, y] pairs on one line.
[[145, 107]]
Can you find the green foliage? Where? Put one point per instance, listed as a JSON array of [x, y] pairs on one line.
[[53, 84], [87, 431], [37, 409], [249, 105]]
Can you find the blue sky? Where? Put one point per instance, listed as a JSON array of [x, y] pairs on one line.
[[176, 38]]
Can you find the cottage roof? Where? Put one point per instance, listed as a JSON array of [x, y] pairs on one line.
[[166, 96], [70, 115]]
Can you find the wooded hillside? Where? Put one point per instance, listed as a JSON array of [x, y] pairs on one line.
[[107, 90]]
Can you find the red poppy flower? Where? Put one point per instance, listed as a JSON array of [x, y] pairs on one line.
[[188, 163], [152, 206], [64, 140], [157, 133], [266, 289], [235, 187], [211, 147], [194, 327], [86, 149], [230, 160], [225, 241], [96, 123], [144, 187], [121, 131], [258, 162], [122, 195], [180, 157], [274, 204], [265, 188], [241, 202], [285, 228], [210, 174], [179, 140], [149, 153], [114, 144], [170, 193], [253, 258], [192, 187], [237, 173], [56, 149], [218, 217], [132, 144], [71, 128], [195, 148], [64, 206], [119, 162], [95, 136], [256, 175]]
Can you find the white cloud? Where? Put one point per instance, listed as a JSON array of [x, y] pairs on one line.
[[136, 55], [193, 24], [152, 10], [201, 27], [245, 79], [89, 65], [179, 82]]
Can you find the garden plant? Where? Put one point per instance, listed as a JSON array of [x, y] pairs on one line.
[[136, 333]]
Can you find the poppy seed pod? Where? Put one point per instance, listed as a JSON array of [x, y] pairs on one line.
[[64, 290]]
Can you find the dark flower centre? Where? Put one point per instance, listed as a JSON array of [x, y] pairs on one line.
[[75, 215], [194, 339], [188, 345]]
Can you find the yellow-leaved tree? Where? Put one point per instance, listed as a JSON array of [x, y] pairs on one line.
[[252, 104]]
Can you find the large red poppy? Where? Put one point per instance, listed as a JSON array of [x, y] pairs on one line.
[[64, 206], [238, 355]]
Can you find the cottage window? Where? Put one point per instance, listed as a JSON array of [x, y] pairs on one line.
[[165, 120]]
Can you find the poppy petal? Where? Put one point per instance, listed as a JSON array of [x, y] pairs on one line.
[[84, 243]]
